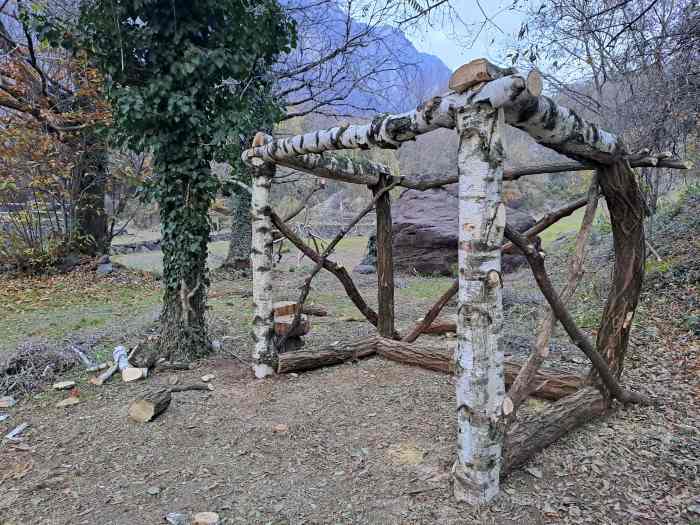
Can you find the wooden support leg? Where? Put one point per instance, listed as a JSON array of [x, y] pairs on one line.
[[264, 354], [479, 361], [385, 263]]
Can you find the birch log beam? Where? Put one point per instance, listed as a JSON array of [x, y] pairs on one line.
[[478, 360], [264, 354]]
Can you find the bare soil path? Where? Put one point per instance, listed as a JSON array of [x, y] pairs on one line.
[[367, 442]]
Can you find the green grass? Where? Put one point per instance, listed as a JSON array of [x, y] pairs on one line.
[[53, 307], [427, 288], [153, 261], [566, 225]]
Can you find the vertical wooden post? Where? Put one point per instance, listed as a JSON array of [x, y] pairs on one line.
[[264, 353], [385, 263], [479, 363]]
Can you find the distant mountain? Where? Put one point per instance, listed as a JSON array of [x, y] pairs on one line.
[[388, 74]]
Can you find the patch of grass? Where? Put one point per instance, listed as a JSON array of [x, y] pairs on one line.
[[54, 306], [427, 288], [153, 261], [566, 225]]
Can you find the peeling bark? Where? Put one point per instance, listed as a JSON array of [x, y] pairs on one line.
[[264, 354], [479, 361]]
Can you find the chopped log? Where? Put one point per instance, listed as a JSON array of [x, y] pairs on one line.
[[333, 354], [104, 376], [131, 373], [63, 385], [150, 405], [284, 324], [282, 308], [385, 261], [15, 433], [475, 72]]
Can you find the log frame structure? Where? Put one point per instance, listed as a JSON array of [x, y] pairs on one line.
[[491, 440]]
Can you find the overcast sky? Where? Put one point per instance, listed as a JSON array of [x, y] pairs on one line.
[[440, 40]]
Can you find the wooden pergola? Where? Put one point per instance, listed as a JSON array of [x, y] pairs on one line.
[[482, 99]]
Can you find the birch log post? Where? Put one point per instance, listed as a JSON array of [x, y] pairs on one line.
[[264, 355], [478, 359]]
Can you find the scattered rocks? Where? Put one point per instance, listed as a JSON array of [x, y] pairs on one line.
[[208, 377]]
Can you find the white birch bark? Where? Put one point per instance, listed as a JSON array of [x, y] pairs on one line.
[[385, 131], [547, 122], [264, 355], [479, 362]]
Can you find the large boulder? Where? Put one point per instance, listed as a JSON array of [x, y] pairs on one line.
[[425, 232]]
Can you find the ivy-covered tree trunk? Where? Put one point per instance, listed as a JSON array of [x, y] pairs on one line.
[[238, 257], [184, 203]]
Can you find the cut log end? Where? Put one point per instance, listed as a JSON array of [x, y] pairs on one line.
[[150, 406], [534, 83], [283, 326], [470, 74]]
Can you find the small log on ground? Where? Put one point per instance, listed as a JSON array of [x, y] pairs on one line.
[[330, 355], [150, 405], [284, 324], [104, 376]]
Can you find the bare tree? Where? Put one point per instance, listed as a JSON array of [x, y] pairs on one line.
[[348, 61]]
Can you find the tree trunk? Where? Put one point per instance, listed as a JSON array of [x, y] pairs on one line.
[[626, 207], [183, 332], [479, 360], [185, 229], [90, 214], [264, 354], [385, 264], [239, 247]]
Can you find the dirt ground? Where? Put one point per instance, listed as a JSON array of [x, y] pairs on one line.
[[367, 442]]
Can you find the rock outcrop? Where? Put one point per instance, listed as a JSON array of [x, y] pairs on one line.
[[425, 232]]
